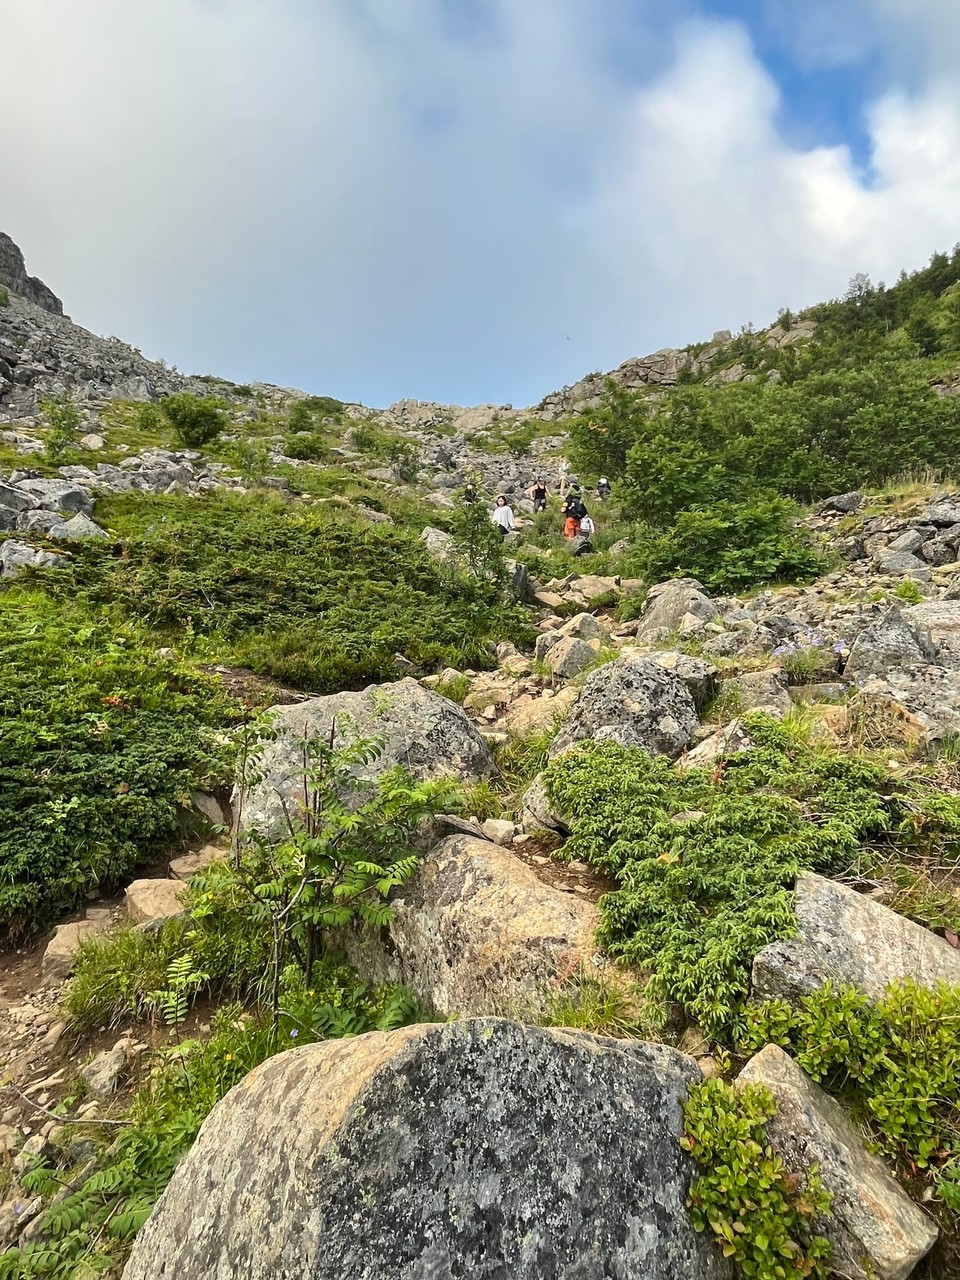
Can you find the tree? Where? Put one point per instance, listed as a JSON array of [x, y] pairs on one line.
[[61, 417], [195, 421]]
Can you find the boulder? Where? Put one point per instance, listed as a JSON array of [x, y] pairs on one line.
[[102, 1074], [149, 901], [539, 713], [188, 864], [876, 1230], [58, 495], [841, 504], [76, 529], [939, 618], [569, 656], [61, 950], [585, 627], [669, 602], [538, 812], [903, 564], [92, 442], [727, 741], [697, 674], [633, 701], [17, 556], [847, 937], [895, 641], [438, 543], [423, 731], [760, 691], [499, 830], [471, 1150], [15, 498], [476, 932]]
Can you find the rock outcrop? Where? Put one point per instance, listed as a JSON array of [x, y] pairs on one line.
[[847, 937], [636, 702], [476, 932], [876, 1230], [426, 733], [472, 1150], [13, 275]]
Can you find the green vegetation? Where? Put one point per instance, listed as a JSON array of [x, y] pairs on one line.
[[307, 596], [706, 860], [254, 928], [4, 296], [61, 418], [195, 421], [101, 742], [896, 1062], [762, 1216]]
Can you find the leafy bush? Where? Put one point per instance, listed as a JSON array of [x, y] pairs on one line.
[[61, 417], [896, 1060], [101, 742], [196, 421], [699, 897], [731, 545], [304, 595], [313, 447], [762, 1216]]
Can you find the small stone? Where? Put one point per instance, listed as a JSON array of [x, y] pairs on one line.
[[499, 831], [102, 1074]]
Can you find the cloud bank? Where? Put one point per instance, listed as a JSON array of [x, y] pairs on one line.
[[463, 200]]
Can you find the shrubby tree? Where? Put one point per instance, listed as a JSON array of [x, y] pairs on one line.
[[196, 421]]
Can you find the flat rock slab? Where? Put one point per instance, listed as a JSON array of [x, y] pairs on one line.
[[474, 1150], [476, 932], [426, 733], [149, 900], [876, 1230], [843, 936]]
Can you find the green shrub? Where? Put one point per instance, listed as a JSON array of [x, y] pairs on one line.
[[909, 591], [150, 418], [895, 1060], [61, 418], [456, 688], [196, 421], [730, 545], [4, 297], [700, 897], [762, 1217], [307, 596], [307, 448], [101, 742]]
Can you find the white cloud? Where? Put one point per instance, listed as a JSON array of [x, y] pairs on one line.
[[379, 198]]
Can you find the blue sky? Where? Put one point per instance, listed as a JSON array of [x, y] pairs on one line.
[[469, 200]]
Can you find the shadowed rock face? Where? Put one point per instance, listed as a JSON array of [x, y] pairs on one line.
[[470, 1151], [13, 274]]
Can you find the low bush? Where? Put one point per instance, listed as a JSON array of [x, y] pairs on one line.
[[196, 420], [101, 743], [61, 418], [706, 860], [730, 545], [763, 1217], [307, 596]]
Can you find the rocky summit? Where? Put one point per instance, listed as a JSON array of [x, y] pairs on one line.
[[390, 892]]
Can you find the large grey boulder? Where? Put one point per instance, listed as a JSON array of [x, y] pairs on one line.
[[476, 932], [569, 656], [697, 674], [668, 603], [895, 641], [15, 498], [846, 937], [473, 1150], [76, 529], [876, 1230], [636, 702], [426, 733], [760, 691]]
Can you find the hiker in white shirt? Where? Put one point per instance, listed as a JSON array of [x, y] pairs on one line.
[[502, 516]]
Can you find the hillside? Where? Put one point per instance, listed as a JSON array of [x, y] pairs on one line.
[[661, 825]]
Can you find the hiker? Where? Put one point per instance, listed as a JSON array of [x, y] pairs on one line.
[[538, 493], [502, 516], [603, 489], [562, 477], [573, 512], [470, 493], [587, 527]]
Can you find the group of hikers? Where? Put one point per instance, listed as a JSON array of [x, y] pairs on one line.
[[577, 522]]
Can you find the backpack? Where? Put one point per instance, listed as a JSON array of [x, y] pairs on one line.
[[576, 508]]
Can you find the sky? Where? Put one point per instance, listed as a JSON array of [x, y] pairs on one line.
[[469, 201]]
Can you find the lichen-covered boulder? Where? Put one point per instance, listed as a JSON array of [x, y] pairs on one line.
[[846, 937], [477, 932], [473, 1150], [876, 1230], [895, 641], [635, 702], [668, 603], [426, 733]]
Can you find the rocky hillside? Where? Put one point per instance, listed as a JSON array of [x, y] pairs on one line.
[[383, 896]]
